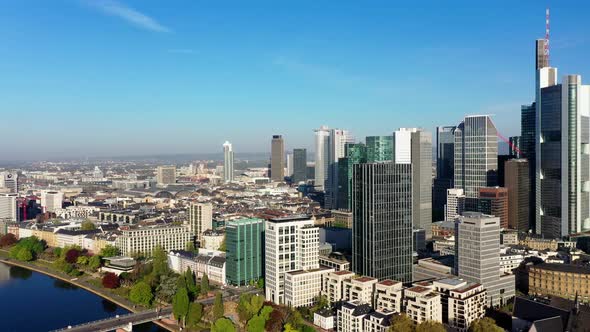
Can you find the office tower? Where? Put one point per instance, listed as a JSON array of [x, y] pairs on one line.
[[527, 149], [541, 58], [310, 172], [277, 159], [200, 219], [563, 162], [10, 181], [494, 201], [289, 165], [338, 140], [299, 165], [517, 183], [502, 159], [382, 220], [476, 157], [445, 153], [414, 146], [166, 175], [355, 153], [455, 203], [244, 239], [514, 147], [228, 162], [8, 207], [51, 200], [477, 257], [322, 157], [379, 148], [291, 244]]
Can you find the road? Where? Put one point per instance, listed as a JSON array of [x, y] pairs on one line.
[[110, 324]]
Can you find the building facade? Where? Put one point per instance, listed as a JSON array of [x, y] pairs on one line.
[[200, 219], [228, 162], [166, 175], [338, 140], [244, 250], [494, 201], [299, 166], [144, 239], [518, 185], [455, 203], [277, 158], [562, 280]]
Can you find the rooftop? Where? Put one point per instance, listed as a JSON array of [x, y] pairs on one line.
[[388, 282], [568, 268], [364, 279]]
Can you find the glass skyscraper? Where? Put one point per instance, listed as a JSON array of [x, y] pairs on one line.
[[244, 256], [379, 148], [299, 165], [355, 153]]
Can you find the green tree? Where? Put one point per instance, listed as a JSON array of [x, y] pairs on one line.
[[191, 285], [256, 324], [190, 247], [141, 293], [195, 313], [218, 310], [485, 324], [159, 261], [24, 254], [64, 266], [205, 284], [180, 305], [109, 251], [82, 260], [260, 283], [167, 287], [290, 328], [94, 262], [222, 246], [57, 252], [223, 325], [87, 225], [402, 323], [430, 326]]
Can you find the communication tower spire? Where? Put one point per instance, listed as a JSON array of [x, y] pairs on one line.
[[547, 35]]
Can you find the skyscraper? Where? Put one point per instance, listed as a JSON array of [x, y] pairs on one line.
[[200, 219], [338, 139], [414, 146], [445, 154], [355, 153], [494, 201], [166, 175], [517, 183], [322, 157], [244, 243], [228, 162], [10, 181], [379, 148], [514, 147], [382, 220], [527, 150], [277, 159], [51, 200], [476, 157], [563, 161], [8, 207], [299, 165], [477, 255], [289, 165], [455, 203]]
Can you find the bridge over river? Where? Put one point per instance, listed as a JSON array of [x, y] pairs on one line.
[[124, 322]]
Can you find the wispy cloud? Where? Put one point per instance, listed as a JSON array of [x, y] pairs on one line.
[[182, 51], [128, 14]]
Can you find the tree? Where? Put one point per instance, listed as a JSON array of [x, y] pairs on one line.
[[256, 324], [87, 225], [166, 288], [7, 240], [222, 246], [276, 320], [290, 328], [64, 266], [109, 251], [485, 324], [430, 326], [24, 254], [260, 283], [159, 261], [180, 304], [82, 260], [190, 247], [110, 280], [141, 293], [218, 310], [402, 323], [72, 255], [191, 285], [94, 262], [205, 284], [223, 325], [57, 252], [195, 313]]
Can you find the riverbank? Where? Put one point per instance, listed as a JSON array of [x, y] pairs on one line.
[[81, 283]]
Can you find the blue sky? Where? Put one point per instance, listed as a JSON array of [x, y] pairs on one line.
[[134, 77]]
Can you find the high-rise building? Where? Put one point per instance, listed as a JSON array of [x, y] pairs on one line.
[[299, 165], [338, 140], [379, 148], [291, 244], [517, 182], [527, 150], [455, 203], [10, 181], [563, 163], [445, 153], [322, 157], [476, 157], [289, 165], [382, 220], [200, 219], [244, 240], [277, 159], [228, 162], [477, 255], [166, 175], [8, 207], [514, 147], [355, 153], [414, 146], [494, 201], [51, 200]]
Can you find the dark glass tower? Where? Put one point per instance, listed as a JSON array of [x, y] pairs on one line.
[[355, 153], [299, 165], [379, 148], [445, 152], [527, 150]]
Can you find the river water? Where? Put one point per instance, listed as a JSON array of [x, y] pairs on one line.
[[31, 301]]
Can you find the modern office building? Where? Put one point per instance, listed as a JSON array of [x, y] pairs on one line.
[[291, 244], [476, 157], [244, 251], [10, 181], [289, 165], [200, 219], [379, 148], [228, 162], [477, 255], [517, 182], [414, 146], [494, 201], [166, 175], [355, 153], [455, 203], [322, 157], [527, 151], [8, 207], [382, 220], [277, 159], [51, 201], [338, 140], [299, 166], [514, 147], [563, 176], [445, 153]]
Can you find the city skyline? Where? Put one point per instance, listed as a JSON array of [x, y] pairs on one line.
[[162, 69]]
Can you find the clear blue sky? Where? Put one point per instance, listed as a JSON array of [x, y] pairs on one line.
[[133, 77]]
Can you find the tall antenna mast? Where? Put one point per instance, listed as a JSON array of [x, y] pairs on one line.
[[547, 35]]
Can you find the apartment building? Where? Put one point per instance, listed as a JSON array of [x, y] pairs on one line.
[[360, 289], [302, 287], [388, 296], [144, 239], [423, 304], [462, 302], [350, 316], [333, 285]]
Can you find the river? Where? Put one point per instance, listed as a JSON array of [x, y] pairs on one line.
[[31, 301]]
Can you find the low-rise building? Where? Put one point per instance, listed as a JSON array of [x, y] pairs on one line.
[[509, 237], [303, 286], [360, 289], [334, 263], [325, 319], [118, 265], [389, 296], [213, 266], [423, 304], [509, 262], [350, 316], [145, 239], [562, 280], [377, 321], [212, 239], [333, 285], [462, 302]]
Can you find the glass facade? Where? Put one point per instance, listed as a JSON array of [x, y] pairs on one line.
[[527, 149], [379, 148], [299, 165], [244, 257], [355, 153]]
